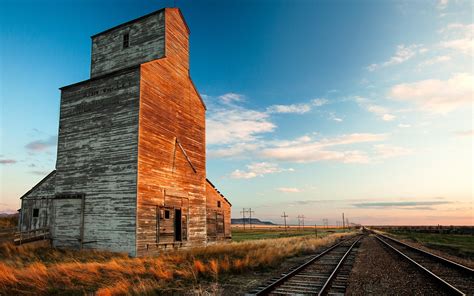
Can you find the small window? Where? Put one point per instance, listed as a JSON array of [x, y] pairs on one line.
[[167, 214], [218, 203], [36, 213], [126, 40]]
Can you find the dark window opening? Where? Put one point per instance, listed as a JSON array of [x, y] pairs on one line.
[[126, 40], [218, 203], [177, 226], [167, 214], [36, 213]]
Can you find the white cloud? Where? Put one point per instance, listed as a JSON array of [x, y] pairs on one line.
[[403, 54], [437, 96], [235, 124], [333, 116], [459, 37], [294, 108], [319, 102], [402, 125], [383, 151], [258, 169], [388, 117], [442, 4], [312, 151], [382, 112], [435, 60], [230, 98], [288, 189], [234, 150]]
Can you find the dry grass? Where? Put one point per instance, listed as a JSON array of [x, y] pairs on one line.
[[50, 271]]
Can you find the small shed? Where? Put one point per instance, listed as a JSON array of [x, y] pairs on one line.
[[217, 215]]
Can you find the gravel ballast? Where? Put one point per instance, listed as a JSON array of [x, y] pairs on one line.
[[378, 271]]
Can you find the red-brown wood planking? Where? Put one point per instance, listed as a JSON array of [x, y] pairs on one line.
[[171, 153]]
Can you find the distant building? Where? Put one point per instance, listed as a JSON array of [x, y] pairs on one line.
[[131, 163]]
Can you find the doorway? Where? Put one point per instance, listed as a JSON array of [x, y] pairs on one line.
[[177, 225]]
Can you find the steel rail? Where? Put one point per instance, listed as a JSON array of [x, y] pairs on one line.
[[327, 284], [447, 285], [269, 288], [436, 257]]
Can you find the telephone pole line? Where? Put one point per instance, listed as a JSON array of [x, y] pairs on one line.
[[343, 222], [284, 217], [243, 212], [250, 219]]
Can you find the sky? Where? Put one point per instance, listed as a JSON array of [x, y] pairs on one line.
[[315, 108]]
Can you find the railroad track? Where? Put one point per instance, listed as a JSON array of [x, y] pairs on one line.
[[324, 274], [455, 278]]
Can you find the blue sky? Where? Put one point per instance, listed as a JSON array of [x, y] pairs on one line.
[[314, 107]]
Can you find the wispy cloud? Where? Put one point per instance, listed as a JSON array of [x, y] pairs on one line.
[[230, 98], [41, 145], [405, 205], [437, 96], [293, 108], [459, 37], [258, 169], [402, 54], [289, 189], [468, 133], [434, 60], [383, 151], [334, 117], [309, 150], [7, 161], [236, 124], [382, 112], [319, 102], [442, 4]]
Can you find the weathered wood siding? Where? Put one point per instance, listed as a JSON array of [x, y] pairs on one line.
[[97, 157], [67, 221], [146, 39], [171, 153], [38, 198], [218, 215]]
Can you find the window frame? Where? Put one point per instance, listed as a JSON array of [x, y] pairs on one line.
[[126, 40]]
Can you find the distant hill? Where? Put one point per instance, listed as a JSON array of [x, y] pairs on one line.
[[255, 221]]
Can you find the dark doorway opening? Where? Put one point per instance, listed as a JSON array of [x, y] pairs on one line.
[[177, 225]]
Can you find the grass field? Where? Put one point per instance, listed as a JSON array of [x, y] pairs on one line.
[[461, 245], [198, 271], [239, 234]]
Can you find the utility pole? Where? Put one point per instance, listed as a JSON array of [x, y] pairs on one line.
[[343, 222], [284, 217], [299, 222], [302, 219], [243, 216], [250, 219], [316, 230]]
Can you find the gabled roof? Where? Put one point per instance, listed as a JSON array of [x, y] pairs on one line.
[[39, 183], [210, 183]]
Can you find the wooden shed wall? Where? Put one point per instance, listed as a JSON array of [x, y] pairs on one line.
[[212, 199], [97, 156], [171, 154], [147, 42], [39, 198]]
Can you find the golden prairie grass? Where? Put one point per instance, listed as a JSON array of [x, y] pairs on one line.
[[51, 271]]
